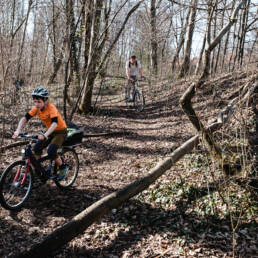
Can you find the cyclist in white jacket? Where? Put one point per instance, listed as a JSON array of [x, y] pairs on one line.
[[133, 70]]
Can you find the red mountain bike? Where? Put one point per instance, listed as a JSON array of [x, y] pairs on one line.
[[17, 179]]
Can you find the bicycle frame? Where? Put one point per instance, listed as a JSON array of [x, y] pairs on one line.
[[30, 160], [17, 179], [135, 95], [132, 89], [135, 86]]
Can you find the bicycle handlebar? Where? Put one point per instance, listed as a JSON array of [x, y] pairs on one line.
[[28, 136]]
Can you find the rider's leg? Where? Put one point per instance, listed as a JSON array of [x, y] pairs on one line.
[[131, 87], [128, 87], [52, 151], [56, 142], [38, 148]]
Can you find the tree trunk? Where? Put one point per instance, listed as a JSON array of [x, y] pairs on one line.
[[218, 57], [87, 34], [198, 67], [58, 64], [154, 43], [81, 29], [233, 50], [72, 48], [42, 73], [253, 137], [253, 46], [68, 45], [33, 45], [237, 50], [226, 46], [181, 40], [54, 42], [85, 105], [214, 35], [243, 34], [23, 39], [188, 42]]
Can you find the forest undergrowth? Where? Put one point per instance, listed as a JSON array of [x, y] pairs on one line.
[[191, 211]]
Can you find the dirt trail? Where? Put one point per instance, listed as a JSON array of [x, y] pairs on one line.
[[107, 164]]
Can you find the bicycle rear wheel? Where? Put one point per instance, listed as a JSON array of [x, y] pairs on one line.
[[70, 159], [15, 187], [139, 101]]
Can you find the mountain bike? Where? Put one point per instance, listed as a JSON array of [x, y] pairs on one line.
[[17, 179], [134, 96]]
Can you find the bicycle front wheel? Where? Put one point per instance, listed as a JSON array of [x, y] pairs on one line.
[[139, 101], [69, 158], [15, 185], [127, 96]]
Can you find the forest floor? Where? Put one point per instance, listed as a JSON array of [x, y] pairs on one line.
[[181, 215]]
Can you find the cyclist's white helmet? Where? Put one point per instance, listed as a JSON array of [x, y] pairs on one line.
[[40, 92]]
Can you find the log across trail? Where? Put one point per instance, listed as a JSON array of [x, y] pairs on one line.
[[87, 217]]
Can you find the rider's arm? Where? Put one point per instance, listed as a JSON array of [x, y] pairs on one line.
[[21, 124], [52, 127]]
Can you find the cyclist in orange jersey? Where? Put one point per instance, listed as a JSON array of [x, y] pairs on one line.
[[56, 128]]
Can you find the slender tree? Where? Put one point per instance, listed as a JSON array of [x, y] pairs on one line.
[[23, 38], [181, 40], [189, 37], [154, 43]]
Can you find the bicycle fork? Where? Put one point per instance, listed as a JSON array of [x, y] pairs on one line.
[[18, 173]]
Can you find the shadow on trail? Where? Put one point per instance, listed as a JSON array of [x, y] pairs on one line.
[[141, 220], [104, 151], [153, 109], [47, 207]]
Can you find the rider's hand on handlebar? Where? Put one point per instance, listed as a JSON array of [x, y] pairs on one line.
[[15, 134], [41, 137]]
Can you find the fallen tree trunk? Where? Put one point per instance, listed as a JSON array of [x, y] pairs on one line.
[[87, 217]]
